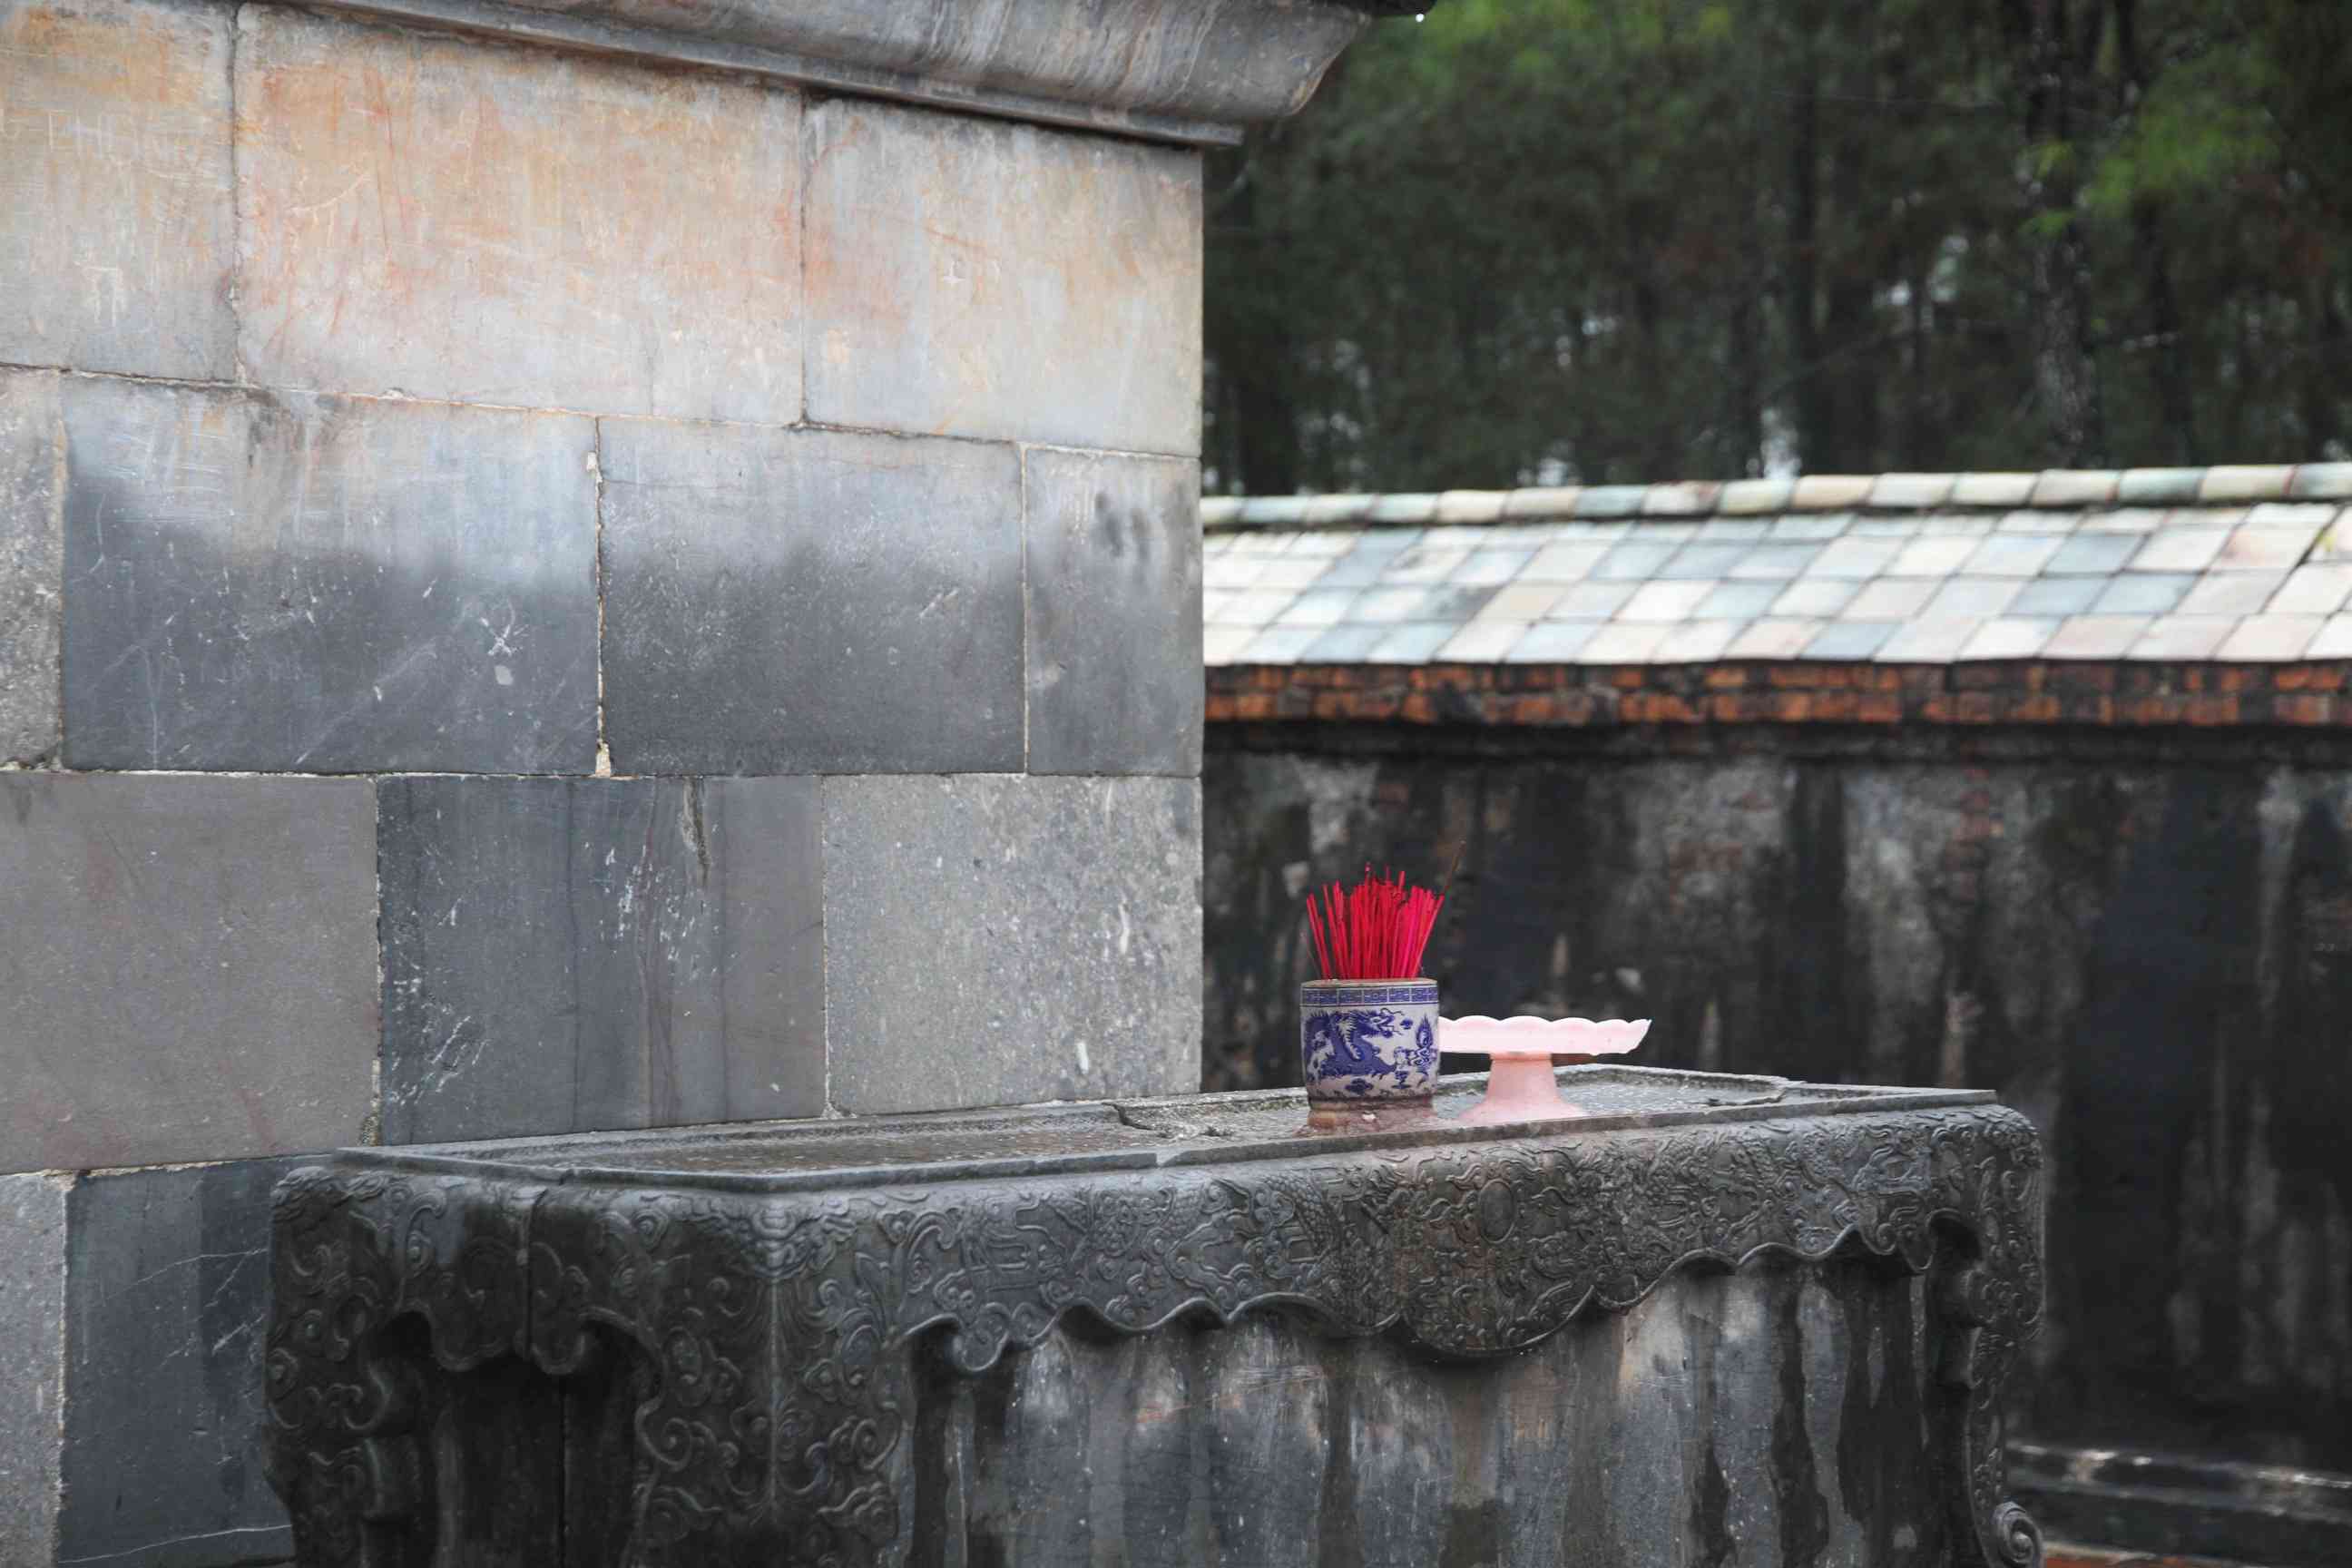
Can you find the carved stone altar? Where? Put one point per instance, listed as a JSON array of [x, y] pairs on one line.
[[809, 1343]]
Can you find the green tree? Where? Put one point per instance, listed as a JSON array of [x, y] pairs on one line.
[[1653, 238]]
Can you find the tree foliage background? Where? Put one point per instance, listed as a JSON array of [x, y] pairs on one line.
[[1530, 240]]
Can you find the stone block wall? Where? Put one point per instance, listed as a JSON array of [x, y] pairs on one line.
[[544, 591]]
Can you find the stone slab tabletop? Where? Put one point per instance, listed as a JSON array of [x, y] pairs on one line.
[[1121, 1135]]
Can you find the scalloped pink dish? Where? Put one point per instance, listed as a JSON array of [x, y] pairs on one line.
[[1519, 1084]]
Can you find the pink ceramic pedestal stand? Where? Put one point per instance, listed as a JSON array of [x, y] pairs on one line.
[[1519, 1085]]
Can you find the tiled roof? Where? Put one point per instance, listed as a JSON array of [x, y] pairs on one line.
[[2237, 564]]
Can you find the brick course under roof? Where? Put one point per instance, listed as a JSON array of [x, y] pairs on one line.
[[2248, 565]]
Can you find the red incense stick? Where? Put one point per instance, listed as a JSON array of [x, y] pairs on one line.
[[1377, 930]]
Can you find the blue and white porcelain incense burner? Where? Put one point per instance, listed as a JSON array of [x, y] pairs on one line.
[[1367, 1047]]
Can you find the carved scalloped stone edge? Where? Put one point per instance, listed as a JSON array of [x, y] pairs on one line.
[[1182, 71], [723, 1290]]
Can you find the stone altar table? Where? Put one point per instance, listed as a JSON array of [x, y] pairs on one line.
[[1720, 1313]]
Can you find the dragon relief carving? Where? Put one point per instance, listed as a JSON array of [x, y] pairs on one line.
[[782, 1326]]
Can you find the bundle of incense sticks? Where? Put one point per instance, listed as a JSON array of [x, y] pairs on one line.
[[1376, 930]]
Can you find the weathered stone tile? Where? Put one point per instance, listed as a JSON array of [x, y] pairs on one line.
[[1281, 645], [1347, 645], [1991, 489], [2096, 636], [503, 226], [2145, 593], [1912, 492], [1482, 642], [1750, 498], [190, 966], [2180, 638], [1696, 642], [2014, 556], [1546, 500], [1851, 639], [1259, 605], [2158, 487], [1519, 602], [326, 583], [1114, 614], [1666, 601], [1829, 492], [1808, 597], [1610, 500], [2246, 482], [1554, 642], [2226, 593], [1890, 599], [1590, 602], [1318, 607], [2315, 591], [996, 940], [117, 223], [792, 602], [1224, 645], [2179, 549], [2074, 486], [1927, 641], [974, 277], [31, 564], [2011, 637], [167, 1293], [566, 955], [1623, 642], [32, 1327], [1855, 558], [2058, 596], [1412, 642], [1971, 596], [2092, 554], [2271, 638]]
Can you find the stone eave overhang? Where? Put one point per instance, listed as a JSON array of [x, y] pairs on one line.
[[1182, 71]]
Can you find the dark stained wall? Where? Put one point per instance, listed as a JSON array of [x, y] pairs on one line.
[[2148, 950]]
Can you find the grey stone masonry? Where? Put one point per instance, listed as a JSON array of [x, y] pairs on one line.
[[996, 940], [116, 222], [1114, 620], [32, 1391], [427, 216], [568, 954], [786, 602], [190, 967], [967, 277], [31, 566], [168, 1287], [330, 584], [574, 566]]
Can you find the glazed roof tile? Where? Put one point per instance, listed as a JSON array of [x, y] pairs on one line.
[[2245, 564]]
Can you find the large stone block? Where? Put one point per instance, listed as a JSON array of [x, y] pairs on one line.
[[32, 568], [968, 277], [190, 966], [575, 955], [1114, 624], [995, 940], [166, 1300], [117, 225], [32, 1389], [790, 601], [514, 226], [325, 583]]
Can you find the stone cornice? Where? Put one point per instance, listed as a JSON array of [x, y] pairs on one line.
[[1183, 71]]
